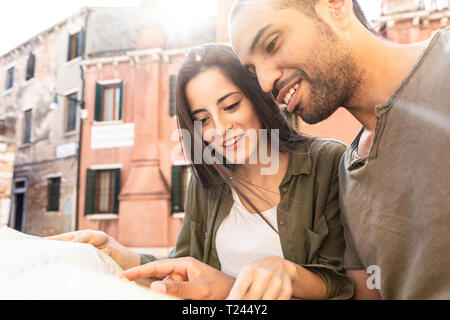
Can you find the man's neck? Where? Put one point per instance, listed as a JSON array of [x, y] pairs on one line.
[[384, 66]]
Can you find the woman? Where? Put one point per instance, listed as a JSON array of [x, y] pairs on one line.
[[274, 225]]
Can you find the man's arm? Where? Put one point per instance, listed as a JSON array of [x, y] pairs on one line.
[[362, 292]]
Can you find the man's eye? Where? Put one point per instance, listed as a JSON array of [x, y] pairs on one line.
[[271, 46], [231, 107]]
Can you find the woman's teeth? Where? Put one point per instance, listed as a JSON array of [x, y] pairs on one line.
[[230, 142], [289, 95]]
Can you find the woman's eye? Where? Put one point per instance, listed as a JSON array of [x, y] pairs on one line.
[[202, 120], [271, 46], [231, 107]]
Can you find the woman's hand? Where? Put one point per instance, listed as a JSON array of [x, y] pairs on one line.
[[274, 278], [186, 278], [269, 278], [122, 255]]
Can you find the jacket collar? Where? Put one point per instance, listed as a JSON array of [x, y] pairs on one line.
[[300, 161]]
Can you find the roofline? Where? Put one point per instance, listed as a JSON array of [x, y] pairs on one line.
[[79, 13]]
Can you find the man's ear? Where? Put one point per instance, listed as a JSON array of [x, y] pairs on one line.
[[337, 13]]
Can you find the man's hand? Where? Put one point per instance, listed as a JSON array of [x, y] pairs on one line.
[[186, 278], [267, 279], [122, 255]]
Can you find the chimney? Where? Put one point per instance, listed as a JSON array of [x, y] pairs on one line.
[[151, 32]]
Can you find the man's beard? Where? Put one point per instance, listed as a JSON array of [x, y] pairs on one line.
[[335, 77]]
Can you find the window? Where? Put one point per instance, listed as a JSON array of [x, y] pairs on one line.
[[180, 180], [27, 127], [76, 44], [108, 102], [53, 191], [102, 191], [172, 94], [30, 66], [9, 78], [71, 112]]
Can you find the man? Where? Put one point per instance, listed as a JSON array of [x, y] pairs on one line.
[[315, 56]]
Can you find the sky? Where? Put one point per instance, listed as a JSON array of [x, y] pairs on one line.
[[20, 20]]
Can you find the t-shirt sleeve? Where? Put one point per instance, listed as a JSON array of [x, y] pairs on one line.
[[351, 259]]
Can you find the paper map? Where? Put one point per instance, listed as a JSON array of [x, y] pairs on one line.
[[37, 268]]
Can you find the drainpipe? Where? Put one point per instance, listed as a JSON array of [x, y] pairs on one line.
[[80, 134]]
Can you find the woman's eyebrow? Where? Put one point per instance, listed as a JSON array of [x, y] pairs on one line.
[[226, 96]]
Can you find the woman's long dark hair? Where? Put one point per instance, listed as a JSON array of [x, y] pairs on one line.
[[222, 57]]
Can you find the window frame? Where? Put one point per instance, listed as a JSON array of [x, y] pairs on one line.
[[75, 47], [92, 189], [31, 67], [53, 193], [9, 83], [100, 89], [71, 100], [27, 126]]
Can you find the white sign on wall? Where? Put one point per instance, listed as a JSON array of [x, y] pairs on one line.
[[66, 150], [112, 136]]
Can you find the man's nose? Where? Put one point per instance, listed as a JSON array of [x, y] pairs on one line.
[[267, 76]]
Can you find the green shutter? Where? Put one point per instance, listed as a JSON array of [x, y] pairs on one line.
[[56, 193], [117, 186], [172, 93], [121, 100], [89, 204], [98, 102], [49, 194], [176, 189]]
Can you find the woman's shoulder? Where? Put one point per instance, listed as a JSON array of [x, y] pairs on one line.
[[321, 153], [327, 146]]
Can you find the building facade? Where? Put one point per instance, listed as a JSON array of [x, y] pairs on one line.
[[42, 140], [133, 176], [408, 21]]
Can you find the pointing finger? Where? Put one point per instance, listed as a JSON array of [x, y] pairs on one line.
[[159, 268]]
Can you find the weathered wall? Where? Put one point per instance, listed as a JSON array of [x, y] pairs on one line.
[[37, 160]]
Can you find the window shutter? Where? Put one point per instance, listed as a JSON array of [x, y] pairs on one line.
[[27, 133], [89, 204], [49, 195], [117, 187], [121, 100], [172, 93], [80, 43], [98, 102], [56, 189], [176, 189], [30, 67], [69, 51]]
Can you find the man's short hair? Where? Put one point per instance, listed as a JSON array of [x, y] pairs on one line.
[[307, 6]]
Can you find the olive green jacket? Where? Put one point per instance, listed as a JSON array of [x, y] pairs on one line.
[[308, 217]]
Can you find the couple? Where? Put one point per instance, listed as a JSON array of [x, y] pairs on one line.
[[311, 229]]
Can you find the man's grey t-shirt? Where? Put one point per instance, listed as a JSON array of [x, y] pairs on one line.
[[396, 202]]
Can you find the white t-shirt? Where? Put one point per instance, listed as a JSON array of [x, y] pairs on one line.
[[244, 237]]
